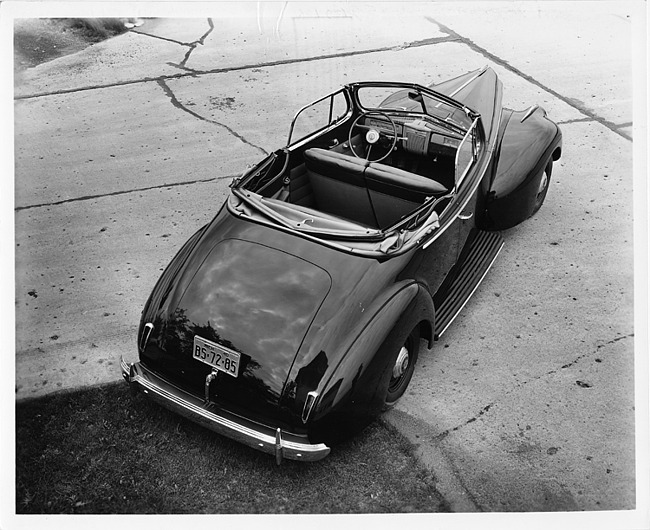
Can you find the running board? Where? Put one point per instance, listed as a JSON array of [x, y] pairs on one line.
[[480, 254]]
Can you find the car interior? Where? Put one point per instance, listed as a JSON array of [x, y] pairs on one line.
[[371, 185]]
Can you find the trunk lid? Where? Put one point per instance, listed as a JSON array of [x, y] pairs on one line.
[[248, 298]]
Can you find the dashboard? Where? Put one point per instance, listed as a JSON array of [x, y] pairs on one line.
[[419, 136]]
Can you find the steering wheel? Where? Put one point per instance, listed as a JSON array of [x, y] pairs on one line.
[[373, 135]]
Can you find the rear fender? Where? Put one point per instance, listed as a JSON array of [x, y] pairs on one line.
[[528, 142], [354, 394]]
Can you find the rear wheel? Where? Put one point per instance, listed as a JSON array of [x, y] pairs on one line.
[[543, 187], [403, 367]]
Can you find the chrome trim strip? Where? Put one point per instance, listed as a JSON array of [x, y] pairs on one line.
[[459, 179], [146, 333], [479, 74], [529, 113], [309, 405], [473, 290], [219, 420]]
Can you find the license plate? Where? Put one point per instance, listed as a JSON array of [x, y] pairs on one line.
[[216, 356]]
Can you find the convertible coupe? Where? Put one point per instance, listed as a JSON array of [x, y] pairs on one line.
[[295, 316]]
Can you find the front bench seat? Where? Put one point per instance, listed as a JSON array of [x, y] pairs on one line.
[[370, 193], [338, 184], [395, 193]]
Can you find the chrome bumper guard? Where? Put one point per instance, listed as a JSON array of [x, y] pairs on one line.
[[260, 437]]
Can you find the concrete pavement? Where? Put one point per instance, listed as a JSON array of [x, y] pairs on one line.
[[123, 150]]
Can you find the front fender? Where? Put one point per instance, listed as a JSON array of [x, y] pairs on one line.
[[354, 393], [529, 140]]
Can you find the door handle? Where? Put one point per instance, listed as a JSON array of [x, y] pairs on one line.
[[465, 217]]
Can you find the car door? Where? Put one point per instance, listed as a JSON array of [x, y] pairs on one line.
[[481, 93], [441, 250], [465, 182], [436, 257]]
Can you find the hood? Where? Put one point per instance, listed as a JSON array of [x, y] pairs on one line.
[[481, 91], [249, 298]]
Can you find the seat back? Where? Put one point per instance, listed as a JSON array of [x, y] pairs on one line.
[[396, 193], [338, 185], [369, 193]]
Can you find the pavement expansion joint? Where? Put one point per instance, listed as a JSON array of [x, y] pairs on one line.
[[122, 192], [452, 36], [180, 66], [189, 72], [576, 104]]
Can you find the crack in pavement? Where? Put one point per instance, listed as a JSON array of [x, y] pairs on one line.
[[182, 107], [505, 64], [575, 120], [227, 69], [583, 120], [180, 43], [176, 103], [123, 192], [487, 408], [194, 44], [193, 73], [452, 36]]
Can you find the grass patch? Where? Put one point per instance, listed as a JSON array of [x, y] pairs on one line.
[[103, 451], [38, 40], [97, 29]]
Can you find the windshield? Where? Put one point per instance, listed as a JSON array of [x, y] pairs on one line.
[[394, 97]]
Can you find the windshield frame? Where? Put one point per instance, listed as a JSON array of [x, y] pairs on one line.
[[421, 90], [473, 136]]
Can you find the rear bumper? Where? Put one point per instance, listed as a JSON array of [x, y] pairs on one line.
[[255, 435]]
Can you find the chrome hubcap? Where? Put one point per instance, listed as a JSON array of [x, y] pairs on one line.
[[402, 363]]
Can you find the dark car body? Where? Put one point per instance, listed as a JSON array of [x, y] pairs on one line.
[[295, 316]]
